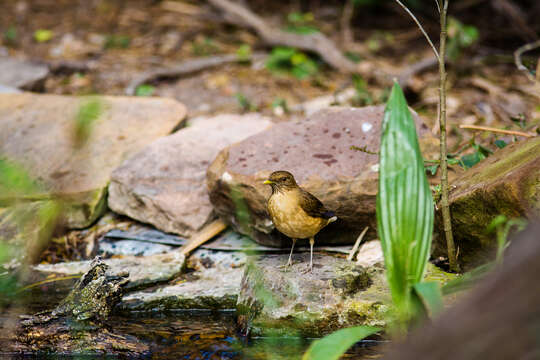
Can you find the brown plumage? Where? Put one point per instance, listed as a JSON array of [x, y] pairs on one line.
[[295, 212]]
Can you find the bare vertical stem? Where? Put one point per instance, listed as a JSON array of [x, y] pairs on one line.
[[447, 224]]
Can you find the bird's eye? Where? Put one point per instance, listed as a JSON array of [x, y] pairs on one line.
[[283, 179]]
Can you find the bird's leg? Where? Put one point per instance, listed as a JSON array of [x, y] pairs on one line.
[[289, 263], [311, 243]]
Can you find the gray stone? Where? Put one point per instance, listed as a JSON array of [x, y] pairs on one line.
[[38, 132], [317, 151], [370, 254], [214, 285], [17, 73], [289, 302], [143, 270], [164, 184], [338, 294], [506, 183]]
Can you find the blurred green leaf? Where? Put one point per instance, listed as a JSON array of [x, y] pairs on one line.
[[11, 34], [15, 182], [404, 204], [467, 280], [285, 60], [89, 111], [145, 90], [430, 295], [43, 35], [460, 37], [332, 346]]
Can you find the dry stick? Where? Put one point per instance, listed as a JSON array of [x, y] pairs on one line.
[[188, 67], [205, 234], [357, 244], [519, 63], [495, 130], [445, 208]]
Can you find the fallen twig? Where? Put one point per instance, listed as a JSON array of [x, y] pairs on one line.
[[495, 130], [188, 67], [317, 42], [357, 244], [519, 63], [206, 233]]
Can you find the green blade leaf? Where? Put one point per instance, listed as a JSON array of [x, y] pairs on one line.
[[431, 296], [404, 203], [332, 346]]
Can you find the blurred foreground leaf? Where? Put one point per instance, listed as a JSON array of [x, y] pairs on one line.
[[332, 346], [43, 35]]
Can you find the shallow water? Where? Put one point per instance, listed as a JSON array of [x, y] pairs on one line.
[[192, 335]]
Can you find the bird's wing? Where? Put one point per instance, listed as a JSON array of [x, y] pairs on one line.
[[313, 206]]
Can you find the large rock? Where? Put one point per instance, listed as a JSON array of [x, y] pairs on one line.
[[318, 153], [164, 184], [38, 131], [338, 294], [506, 183], [17, 73]]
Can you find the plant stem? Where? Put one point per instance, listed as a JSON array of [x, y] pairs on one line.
[[447, 224]]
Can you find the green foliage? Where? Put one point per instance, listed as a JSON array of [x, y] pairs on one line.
[[280, 103], [362, 96], [430, 296], [289, 61], [404, 204], [244, 52], [43, 35], [500, 143], [501, 225], [145, 90], [15, 182], [117, 41], [460, 37], [89, 111], [244, 102], [203, 47], [301, 23], [10, 35], [331, 347]]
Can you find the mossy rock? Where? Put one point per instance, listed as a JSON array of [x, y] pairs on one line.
[[507, 183]]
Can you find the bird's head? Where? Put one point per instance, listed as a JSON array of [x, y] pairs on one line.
[[281, 180]]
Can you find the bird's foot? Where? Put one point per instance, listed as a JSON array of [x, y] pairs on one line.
[[285, 266], [307, 270]]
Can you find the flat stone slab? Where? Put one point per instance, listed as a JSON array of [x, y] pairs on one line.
[[38, 132], [143, 270], [164, 184], [317, 151], [506, 183], [214, 285], [23, 74]]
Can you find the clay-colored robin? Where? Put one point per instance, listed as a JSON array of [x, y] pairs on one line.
[[295, 212]]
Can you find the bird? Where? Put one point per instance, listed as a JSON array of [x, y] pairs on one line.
[[295, 212]]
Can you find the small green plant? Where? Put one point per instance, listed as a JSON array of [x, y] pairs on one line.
[[10, 35], [205, 46], [362, 96], [460, 37], [43, 35], [244, 53], [145, 90], [117, 41], [289, 61], [501, 225], [301, 23], [244, 102], [89, 111]]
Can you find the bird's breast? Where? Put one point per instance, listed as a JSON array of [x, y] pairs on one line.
[[289, 217]]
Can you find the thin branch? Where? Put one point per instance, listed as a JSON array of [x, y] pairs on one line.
[[517, 57], [495, 130], [421, 28], [438, 6], [357, 244]]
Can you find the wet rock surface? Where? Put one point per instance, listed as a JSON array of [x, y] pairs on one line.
[[213, 285], [143, 270], [318, 153], [16, 73], [289, 302], [506, 183], [76, 325], [164, 184], [38, 132]]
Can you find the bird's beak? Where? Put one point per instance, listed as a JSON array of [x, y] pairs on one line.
[[268, 182]]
